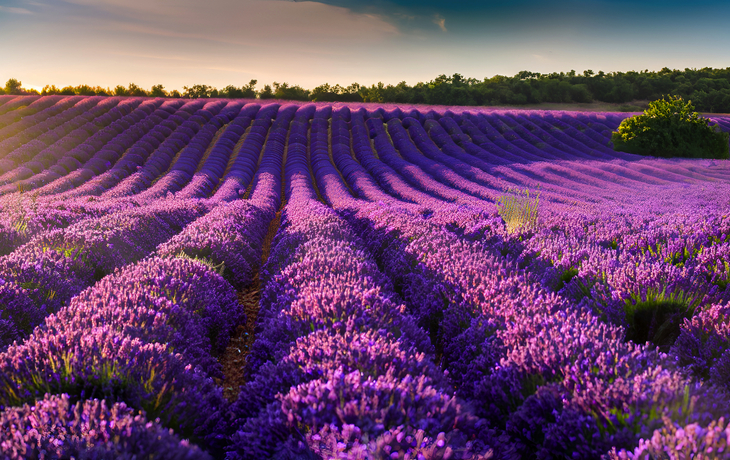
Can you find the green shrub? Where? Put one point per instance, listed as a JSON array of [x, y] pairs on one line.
[[518, 209], [671, 128]]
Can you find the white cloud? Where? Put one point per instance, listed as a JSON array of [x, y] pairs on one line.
[[11, 9], [440, 21]]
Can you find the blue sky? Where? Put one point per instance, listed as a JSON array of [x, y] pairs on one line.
[[221, 42]]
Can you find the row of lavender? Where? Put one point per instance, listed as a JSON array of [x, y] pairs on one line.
[[419, 171]]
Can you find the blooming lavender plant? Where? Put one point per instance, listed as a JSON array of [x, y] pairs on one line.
[[55, 427]]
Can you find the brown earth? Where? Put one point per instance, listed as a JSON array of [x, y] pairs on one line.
[[233, 359]]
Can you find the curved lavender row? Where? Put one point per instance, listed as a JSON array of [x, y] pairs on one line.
[[240, 172], [267, 183], [25, 220], [611, 169], [571, 127], [447, 214], [189, 132], [568, 126], [334, 316], [200, 307], [296, 148], [409, 172], [354, 174], [471, 154], [322, 168], [597, 132], [573, 149], [502, 329], [599, 122], [5, 98], [182, 169], [45, 273], [445, 141], [572, 179], [70, 159], [89, 429], [553, 135], [386, 176], [28, 144], [534, 139], [50, 146], [151, 135], [492, 148], [211, 171], [231, 237], [488, 136], [478, 176], [297, 183], [439, 172], [143, 336], [29, 217], [169, 135], [462, 139], [498, 124], [16, 115], [32, 126], [476, 155], [20, 103], [42, 152], [102, 160]]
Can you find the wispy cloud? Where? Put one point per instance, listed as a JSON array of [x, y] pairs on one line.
[[440, 21], [15, 10]]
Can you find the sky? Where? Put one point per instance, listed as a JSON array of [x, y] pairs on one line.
[[180, 43]]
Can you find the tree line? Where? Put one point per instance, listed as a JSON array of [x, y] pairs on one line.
[[707, 88]]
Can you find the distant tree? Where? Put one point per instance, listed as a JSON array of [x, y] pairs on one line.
[[99, 91], [580, 93], [13, 86], [266, 93], [373, 93], [136, 91], [175, 93], [197, 91], [85, 90], [158, 91], [246, 91], [49, 90], [120, 91], [249, 91], [67, 91], [336, 93], [293, 93]]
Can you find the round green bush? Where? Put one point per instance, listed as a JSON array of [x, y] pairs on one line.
[[671, 128]]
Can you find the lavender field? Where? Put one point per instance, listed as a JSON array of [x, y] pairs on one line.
[[241, 279]]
